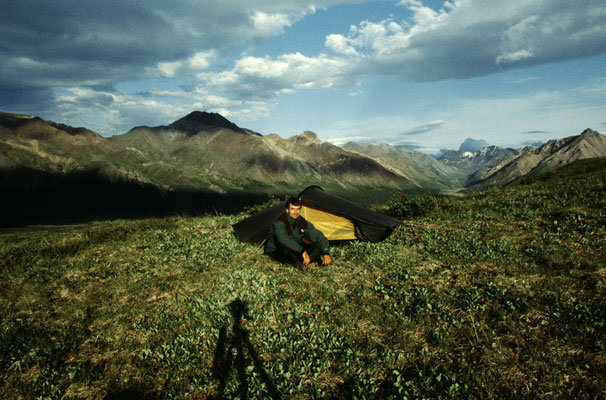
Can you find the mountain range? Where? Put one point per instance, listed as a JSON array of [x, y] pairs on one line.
[[469, 162], [423, 172], [529, 161], [204, 161]]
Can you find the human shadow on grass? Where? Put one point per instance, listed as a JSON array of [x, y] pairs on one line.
[[229, 354]]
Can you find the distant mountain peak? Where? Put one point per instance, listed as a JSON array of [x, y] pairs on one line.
[[307, 137], [473, 145], [30, 123], [589, 132], [197, 121], [13, 115], [529, 161], [471, 161]]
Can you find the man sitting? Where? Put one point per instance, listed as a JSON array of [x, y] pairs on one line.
[[295, 240]]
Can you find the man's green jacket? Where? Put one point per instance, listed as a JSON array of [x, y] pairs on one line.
[[292, 233]]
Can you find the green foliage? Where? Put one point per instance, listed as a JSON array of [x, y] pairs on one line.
[[406, 206], [272, 201], [498, 294]]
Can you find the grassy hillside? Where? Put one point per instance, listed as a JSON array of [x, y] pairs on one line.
[[497, 294]]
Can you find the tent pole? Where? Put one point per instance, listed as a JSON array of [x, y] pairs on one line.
[[261, 245]]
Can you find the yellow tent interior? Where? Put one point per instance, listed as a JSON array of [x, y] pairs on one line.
[[334, 227], [336, 217]]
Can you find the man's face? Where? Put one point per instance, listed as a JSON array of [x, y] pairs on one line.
[[293, 211]]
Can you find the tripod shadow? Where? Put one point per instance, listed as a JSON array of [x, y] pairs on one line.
[[229, 354]]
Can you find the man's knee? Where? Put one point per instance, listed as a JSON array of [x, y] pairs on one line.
[[313, 252], [286, 257]]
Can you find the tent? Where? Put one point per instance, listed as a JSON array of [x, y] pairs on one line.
[[336, 217]]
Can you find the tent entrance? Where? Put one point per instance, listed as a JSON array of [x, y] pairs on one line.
[[334, 227]]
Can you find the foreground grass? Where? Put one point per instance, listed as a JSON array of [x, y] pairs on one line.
[[495, 295]]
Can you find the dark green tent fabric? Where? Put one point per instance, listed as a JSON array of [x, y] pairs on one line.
[[369, 225]]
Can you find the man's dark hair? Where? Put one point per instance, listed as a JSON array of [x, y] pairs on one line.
[[294, 201]]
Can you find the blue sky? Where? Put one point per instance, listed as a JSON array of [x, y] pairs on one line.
[[427, 74]]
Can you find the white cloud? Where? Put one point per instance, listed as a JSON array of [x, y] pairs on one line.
[[340, 44], [195, 63], [266, 77], [423, 15], [505, 121], [340, 141], [99, 45], [72, 44], [169, 69], [110, 113], [514, 56], [384, 129], [468, 38], [269, 24], [202, 60]]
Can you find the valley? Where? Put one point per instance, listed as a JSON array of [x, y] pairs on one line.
[[203, 163]]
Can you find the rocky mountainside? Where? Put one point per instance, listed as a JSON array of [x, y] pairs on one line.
[[33, 144], [201, 151], [226, 157], [25, 137], [529, 161], [423, 171], [205, 160], [54, 173], [469, 162], [200, 121]]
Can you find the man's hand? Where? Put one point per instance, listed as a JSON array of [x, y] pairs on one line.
[[306, 259], [326, 260]]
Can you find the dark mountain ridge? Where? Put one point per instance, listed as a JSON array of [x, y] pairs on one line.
[[200, 121], [203, 158], [187, 165], [237, 159]]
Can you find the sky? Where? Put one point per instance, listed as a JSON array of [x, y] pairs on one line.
[[422, 73]]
